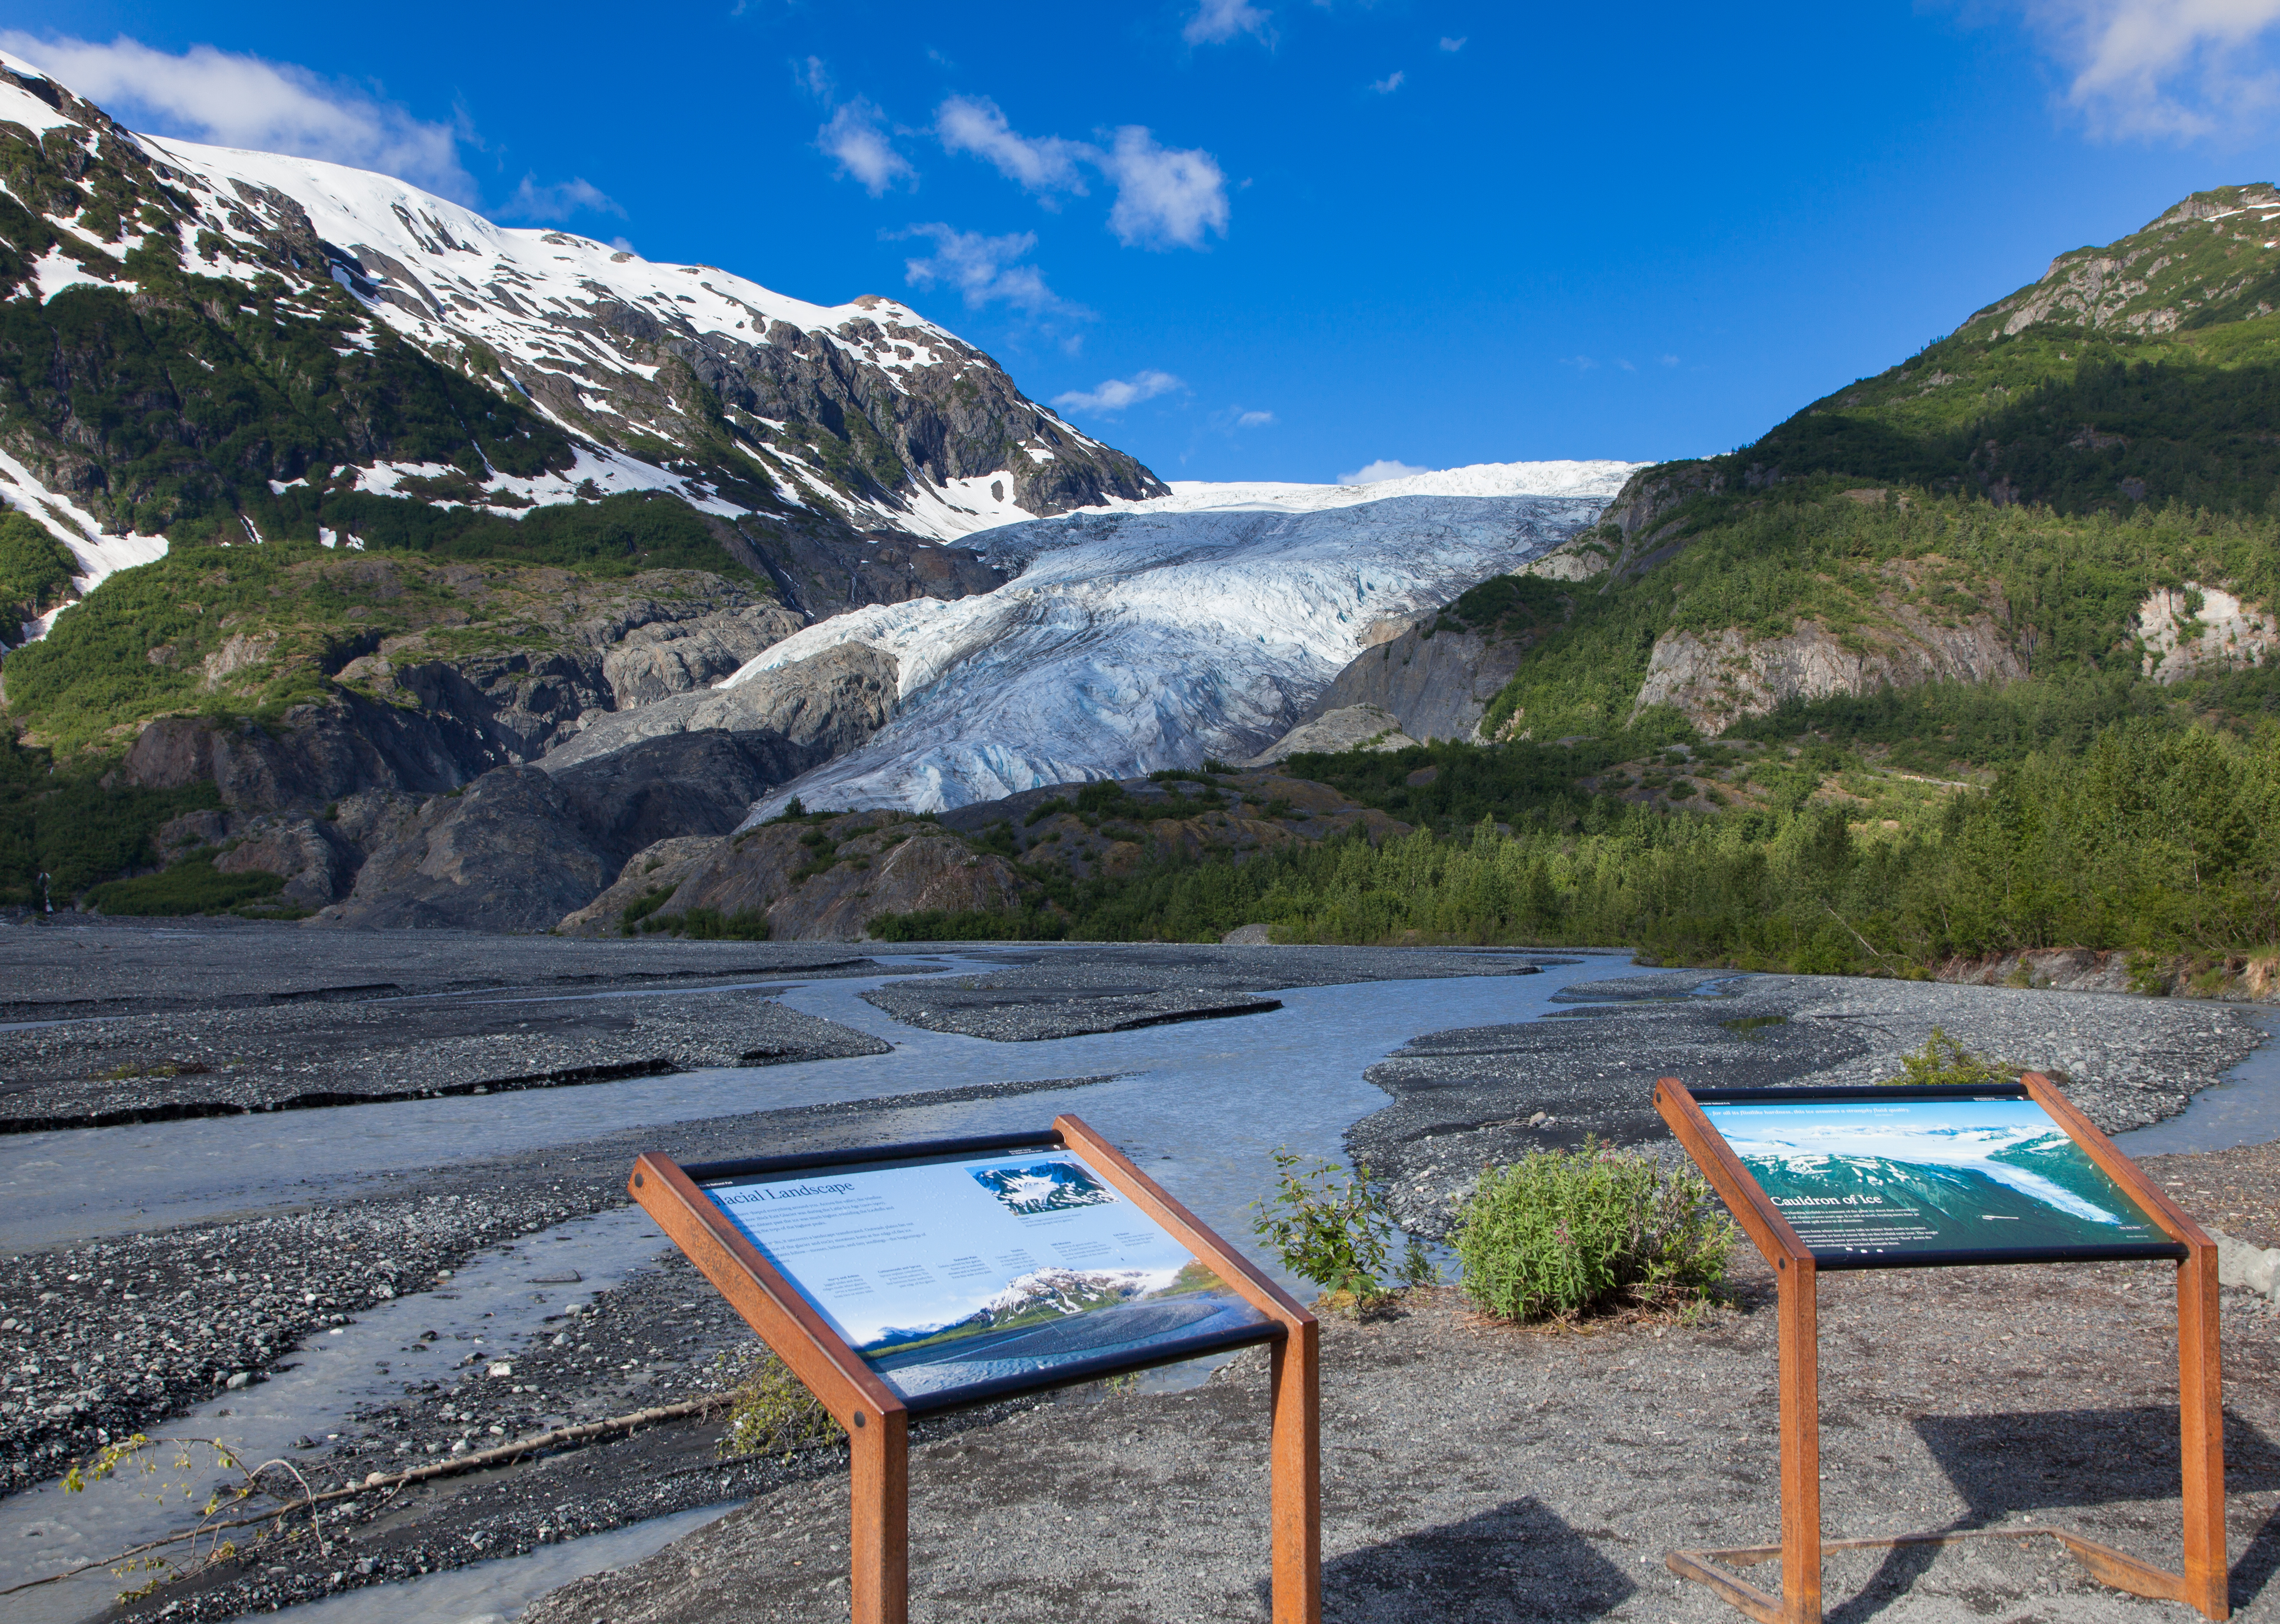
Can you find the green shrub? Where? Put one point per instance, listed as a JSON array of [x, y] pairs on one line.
[[1943, 1063], [648, 903], [191, 886], [771, 1411], [34, 569], [1339, 1233], [712, 925], [1562, 1234]]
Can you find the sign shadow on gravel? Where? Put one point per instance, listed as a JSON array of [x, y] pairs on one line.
[[1514, 1562], [2046, 1460]]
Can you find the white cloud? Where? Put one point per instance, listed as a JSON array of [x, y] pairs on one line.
[[1384, 469], [1580, 363], [559, 201], [1164, 197], [814, 78], [1253, 420], [1670, 360], [1217, 21], [1456, 44], [1114, 394], [986, 270], [864, 151], [1044, 164], [1626, 365], [2184, 68], [1388, 85], [235, 100]]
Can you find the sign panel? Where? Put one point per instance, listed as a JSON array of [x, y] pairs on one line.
[[963, 1275], [1874, 1178]]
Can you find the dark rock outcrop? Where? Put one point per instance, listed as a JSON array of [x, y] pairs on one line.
[[507, 853], [823, 705], [316, 754], [808, 882]]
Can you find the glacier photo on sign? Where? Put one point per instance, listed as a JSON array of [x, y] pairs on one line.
[[1866, 1178], [1043, 1186]]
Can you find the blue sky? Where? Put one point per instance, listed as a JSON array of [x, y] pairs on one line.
[[1281, 239]]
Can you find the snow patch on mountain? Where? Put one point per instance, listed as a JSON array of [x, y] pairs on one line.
[[97, 553], [1156, 633]]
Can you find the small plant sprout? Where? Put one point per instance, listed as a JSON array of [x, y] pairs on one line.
[[1943, 1062], [1338, 1231]]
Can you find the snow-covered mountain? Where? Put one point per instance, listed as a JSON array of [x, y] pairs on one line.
[[853, 419], [1157, 633]]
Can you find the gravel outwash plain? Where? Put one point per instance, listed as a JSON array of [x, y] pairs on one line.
[[1505, 1474]]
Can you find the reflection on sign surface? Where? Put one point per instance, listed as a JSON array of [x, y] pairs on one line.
[[1914, 1179], [985, 1272]]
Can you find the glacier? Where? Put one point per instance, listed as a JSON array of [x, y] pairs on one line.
[[1157, 633]]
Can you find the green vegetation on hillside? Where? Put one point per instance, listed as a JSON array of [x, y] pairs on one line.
[[35, 571], [66, 824], [2159, 837], [2060, 589], [138, 647], [199, 392]]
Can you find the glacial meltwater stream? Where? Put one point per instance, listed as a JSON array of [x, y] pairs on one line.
[[1200, 1105]]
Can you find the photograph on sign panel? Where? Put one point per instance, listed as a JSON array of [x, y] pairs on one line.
[[951, 1274], [1867, 1177]]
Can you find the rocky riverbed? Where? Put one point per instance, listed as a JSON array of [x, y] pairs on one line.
[[102, 1337]]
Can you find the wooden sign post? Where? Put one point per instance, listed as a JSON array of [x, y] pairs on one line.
[[867, 1396], [1867, 1236]]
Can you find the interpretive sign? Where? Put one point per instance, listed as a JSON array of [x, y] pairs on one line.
[[1848, 1179], [1872, 1180], [968, 1276], [908, 1278]]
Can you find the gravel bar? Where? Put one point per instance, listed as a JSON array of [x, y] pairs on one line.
[[95, 966], [1076, 991], [162, 1067]]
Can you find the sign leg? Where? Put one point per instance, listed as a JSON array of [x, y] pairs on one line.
[[878, 1495], [1296, 1463], [1800, 1441], [2201, 1407]]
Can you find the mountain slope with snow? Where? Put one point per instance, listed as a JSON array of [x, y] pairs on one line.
[[1159, 633], [202, 344]]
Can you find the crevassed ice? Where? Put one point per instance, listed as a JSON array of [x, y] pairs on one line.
[[1157, 633]]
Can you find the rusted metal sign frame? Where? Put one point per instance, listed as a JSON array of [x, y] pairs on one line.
[[2203, 1583], [878, 1419]]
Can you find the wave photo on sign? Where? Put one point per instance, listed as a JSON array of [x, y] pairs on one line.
[[1913, 1176]]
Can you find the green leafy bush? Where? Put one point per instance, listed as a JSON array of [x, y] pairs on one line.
[[1337, 1231], [648, 903], [191, 886], [1562, 1234], [1943, 1063], [711, 925]]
